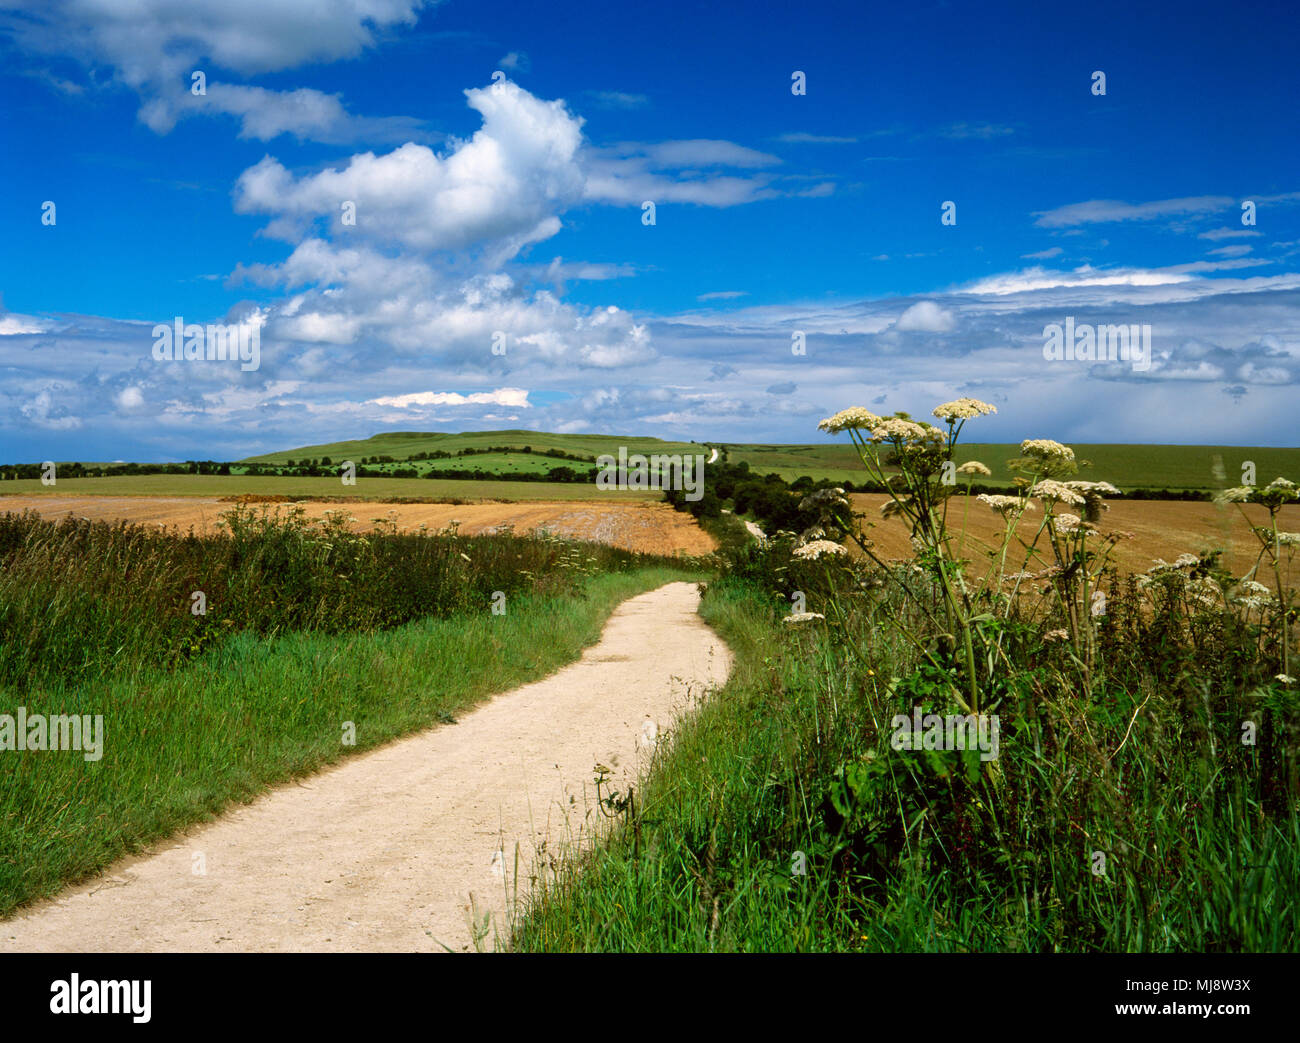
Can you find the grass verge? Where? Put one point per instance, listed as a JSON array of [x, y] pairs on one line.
[[778, 818]]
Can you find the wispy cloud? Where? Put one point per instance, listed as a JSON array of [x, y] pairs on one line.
[[1215, 234], [801, 138], [617, 100], [977, 131], [1102, 211]]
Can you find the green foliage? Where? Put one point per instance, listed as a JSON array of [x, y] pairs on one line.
[[79, 600]]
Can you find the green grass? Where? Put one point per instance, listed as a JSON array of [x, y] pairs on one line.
[[182, 745], [437, 490], [789, 766], [500, 463], [1127, 466]]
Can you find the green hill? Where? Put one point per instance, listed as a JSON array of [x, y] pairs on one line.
[[403, 445]]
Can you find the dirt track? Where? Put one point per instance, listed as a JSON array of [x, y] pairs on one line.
[[651, 527], [383, 852]]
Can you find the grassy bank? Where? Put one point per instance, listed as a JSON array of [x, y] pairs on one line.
[[80, 599], [780, 818], [181, 745]]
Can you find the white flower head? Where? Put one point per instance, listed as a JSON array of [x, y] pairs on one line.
[[1103, 488], [1003, 504], [796, 619], [814, 550], [855, 418], [894, 429], [1050, 492], [963, 409], [1045, 449]]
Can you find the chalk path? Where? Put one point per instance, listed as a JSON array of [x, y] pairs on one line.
[[402, 848]]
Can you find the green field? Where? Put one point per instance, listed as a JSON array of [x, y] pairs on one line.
[[431, 489], [1127, 466]]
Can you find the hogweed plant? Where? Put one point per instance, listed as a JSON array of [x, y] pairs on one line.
[[912, 461], [922, 454], [1275, 548]]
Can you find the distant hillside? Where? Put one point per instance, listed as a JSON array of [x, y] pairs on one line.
[[1127, 466], [403, 445]]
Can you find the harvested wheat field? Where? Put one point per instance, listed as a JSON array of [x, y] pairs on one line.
[[1161, 529], [651, 527]]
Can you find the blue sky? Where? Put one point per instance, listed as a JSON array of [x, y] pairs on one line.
[[514, 206]]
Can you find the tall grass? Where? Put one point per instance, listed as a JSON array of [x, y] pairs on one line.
[[81, 600], [780, 818]]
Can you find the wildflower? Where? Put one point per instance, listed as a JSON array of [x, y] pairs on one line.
[[799, 618], [1092, 493], [1056, 635], [1241, 494], [892, 507], [1092, 487], [1289, 539], [855, 418], [963, 409], [823, 498], [814, 550], [1045, 449], [973, 467], [1051, 491], [1285, 679], [894, 429], [1003, 504], [1183, 561]]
